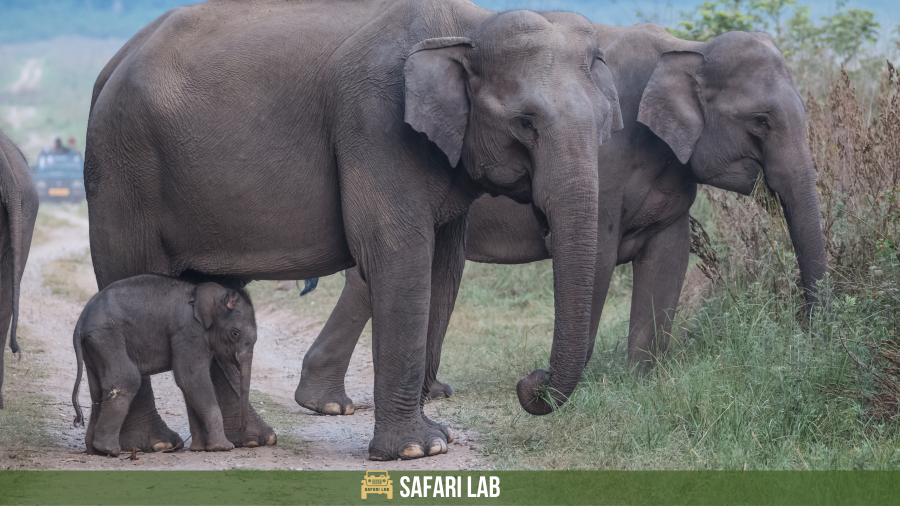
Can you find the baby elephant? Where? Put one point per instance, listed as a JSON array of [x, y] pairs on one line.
[[151, 324]]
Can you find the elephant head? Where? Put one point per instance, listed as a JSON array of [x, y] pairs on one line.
[[730, 109], [231, 334], [524, 102]]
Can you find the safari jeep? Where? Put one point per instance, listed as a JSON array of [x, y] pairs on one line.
[[377, 482], [59, 176]]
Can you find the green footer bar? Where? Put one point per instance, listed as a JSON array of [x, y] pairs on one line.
[[414, 487]]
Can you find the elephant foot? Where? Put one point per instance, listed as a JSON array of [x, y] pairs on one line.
[[445, 429], [106, 446], [257, 433], [439, 391], [218, 444], [327, 400], [407, 441], [148, 433], [143, 428]]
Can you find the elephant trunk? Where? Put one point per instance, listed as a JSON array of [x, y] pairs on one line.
[[793, 177], [245, 390], [571, 213]]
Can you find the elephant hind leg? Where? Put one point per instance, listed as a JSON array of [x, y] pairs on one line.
[[143, 428], [439, 390], [119, 383], [325, 364], [96, 397]]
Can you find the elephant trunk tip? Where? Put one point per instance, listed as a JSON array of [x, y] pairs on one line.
[[533, 391]]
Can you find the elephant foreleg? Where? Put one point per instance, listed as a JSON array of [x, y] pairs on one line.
[[401, 294], [204, 415], [659, 271], [257, 433]]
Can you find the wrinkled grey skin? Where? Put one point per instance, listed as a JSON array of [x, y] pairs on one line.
[[219, 147], [150, 324], [19, 202], [695, 113]]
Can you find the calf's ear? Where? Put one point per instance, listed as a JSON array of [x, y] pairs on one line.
[[207, 297]]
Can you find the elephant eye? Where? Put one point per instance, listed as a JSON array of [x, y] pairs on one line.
[[762, 121], [527, 124], [235, 333]]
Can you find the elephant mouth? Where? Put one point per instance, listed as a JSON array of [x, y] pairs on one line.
[[542, 220]]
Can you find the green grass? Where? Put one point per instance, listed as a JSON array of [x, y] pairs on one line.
[[741, 385], [281, 419]]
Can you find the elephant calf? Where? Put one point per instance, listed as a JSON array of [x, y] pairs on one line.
[[150, 324]]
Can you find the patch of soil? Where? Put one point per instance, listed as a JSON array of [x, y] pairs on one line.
[[306, 440]]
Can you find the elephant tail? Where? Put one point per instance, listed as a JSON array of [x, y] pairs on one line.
[[308, 285], [79, 357]]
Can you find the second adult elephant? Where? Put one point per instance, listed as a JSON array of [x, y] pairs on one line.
[[714, 113], [218, 146], [18, 212]]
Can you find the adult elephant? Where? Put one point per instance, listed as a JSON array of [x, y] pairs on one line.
[[225, 136], [711, 113], [18, 211]]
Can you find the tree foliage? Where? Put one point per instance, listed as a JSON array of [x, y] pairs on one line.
[[847, 33]]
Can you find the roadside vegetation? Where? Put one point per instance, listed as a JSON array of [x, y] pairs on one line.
[[43, 226], [71, 277]]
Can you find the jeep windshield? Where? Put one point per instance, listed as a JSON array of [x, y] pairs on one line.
[[59, 163]]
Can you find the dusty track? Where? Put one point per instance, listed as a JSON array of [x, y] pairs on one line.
[[306, 440]]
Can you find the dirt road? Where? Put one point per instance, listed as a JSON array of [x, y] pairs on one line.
[[58, 279]]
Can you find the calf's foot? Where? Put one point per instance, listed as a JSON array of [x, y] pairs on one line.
[[143, 428], [209, 443], [257, 433], [106, 445]]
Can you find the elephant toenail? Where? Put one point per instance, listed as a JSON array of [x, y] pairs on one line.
[[449, 436], [158, 447], [412, 452], [438, 446], [272, 440], [250, 444], [349, 410], [332, 408]]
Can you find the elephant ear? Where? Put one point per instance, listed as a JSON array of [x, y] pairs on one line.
[[608, 121], [671, 104], [435, 92], [208, 299]]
